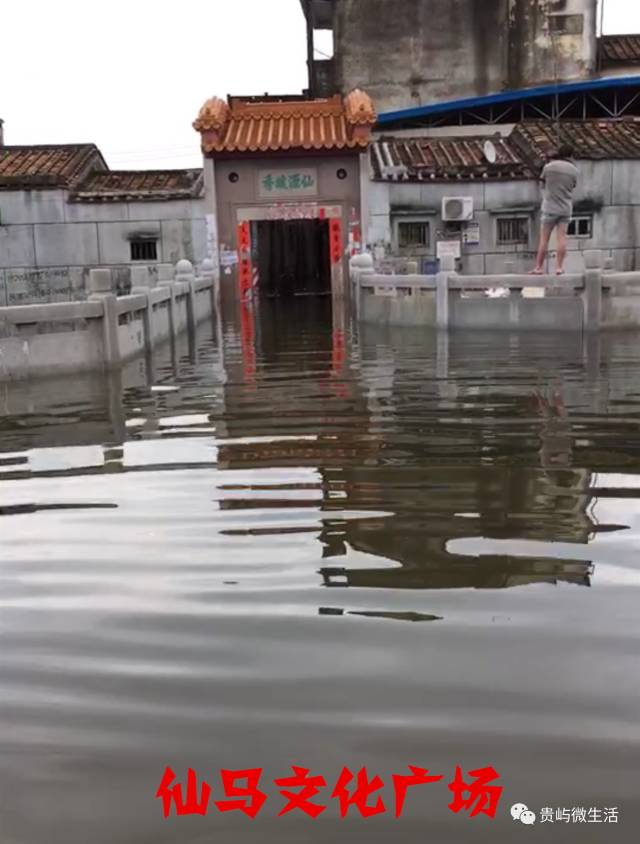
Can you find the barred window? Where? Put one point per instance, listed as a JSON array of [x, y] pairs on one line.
[[581, 226], [513, 230], [144, 249], [413, 234]]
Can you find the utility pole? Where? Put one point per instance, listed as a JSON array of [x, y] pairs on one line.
[[599, 37], [308, 7]]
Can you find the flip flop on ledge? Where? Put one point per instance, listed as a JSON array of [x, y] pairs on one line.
[[536, 272]]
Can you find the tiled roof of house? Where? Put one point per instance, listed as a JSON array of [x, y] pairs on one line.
[[241, 126], [620, 49], [124, 185], [443, 159], [592, 140], [50, 166], [519, 156]]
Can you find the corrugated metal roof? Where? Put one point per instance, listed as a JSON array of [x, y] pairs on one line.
[[505, 97], [249, 126], [620, 49], [520, 156], [122, 185], [51, 166], [442, 159]]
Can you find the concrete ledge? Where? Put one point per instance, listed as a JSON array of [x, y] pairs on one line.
[[513, 282], [134, 302], [51, 312]]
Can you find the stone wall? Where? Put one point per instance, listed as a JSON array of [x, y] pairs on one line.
[[47, 240], [413, 52]]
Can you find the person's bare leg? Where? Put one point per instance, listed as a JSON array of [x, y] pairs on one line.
[[562, 247], [545, 237]]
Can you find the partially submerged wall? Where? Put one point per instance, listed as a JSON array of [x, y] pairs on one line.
[[105, 331], [593, 300]]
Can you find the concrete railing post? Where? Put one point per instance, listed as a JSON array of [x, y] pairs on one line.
[[167, 283], [141, 285], [100, 289], [208, 273], [447, 269], [359, 266], [185, 274], [593, 261]]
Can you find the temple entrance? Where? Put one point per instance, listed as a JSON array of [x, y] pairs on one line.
[[293, 258]]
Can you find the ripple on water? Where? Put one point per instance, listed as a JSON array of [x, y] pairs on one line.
[[320, 554]]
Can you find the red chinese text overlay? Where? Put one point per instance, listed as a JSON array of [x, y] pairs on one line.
[[475, 793]]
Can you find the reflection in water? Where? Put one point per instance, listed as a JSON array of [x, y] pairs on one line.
[[393, 616], [186, 518]]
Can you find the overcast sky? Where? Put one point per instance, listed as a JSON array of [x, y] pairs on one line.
[[131, 75]]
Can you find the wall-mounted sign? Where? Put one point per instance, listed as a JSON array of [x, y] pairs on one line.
[[228, 258], [449, 247], [279, 210], [471, 234], [291, 183]]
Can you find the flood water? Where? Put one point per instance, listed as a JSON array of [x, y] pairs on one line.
[[293, 546]]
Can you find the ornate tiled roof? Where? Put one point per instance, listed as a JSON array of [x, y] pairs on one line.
[[125, 185], [620, 49], [214, 114], [272, 125], [519, 156], [359, 108], [50, 166], [443, 159]]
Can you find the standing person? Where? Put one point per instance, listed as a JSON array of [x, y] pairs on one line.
[[559, 179]]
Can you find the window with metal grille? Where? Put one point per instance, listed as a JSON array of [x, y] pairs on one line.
[[513, 230], [581, 227], [144, 249], [413, 234], [566, 24]]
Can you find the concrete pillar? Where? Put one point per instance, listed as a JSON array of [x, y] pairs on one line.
[[447, 269], [100, 289], [593, 261], [141, 285], [141, 279], [168, 284], [184, 273], [207, 270], [359, 266]]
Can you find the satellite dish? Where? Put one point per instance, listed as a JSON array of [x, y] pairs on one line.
[[490, 152]]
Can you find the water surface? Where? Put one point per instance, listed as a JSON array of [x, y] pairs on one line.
[[291, 545]]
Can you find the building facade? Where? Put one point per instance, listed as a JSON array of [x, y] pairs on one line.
[[411, 52], [63, 211], [284, 180], [435, 191]]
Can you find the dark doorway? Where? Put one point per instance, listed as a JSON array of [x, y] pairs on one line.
[[293, 258]]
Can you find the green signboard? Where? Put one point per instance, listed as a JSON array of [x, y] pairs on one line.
[[287, 183]]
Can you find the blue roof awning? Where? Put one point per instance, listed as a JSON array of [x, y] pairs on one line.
[[506, 98]]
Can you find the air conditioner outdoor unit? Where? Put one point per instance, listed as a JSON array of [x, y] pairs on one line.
[[457, 209]]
